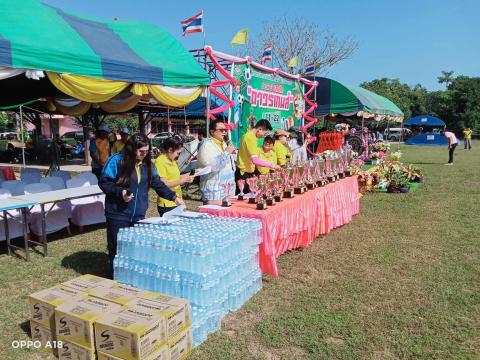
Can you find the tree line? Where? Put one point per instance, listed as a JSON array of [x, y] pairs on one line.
[[458, 105]]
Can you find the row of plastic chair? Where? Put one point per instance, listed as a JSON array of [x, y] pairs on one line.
[[81, 212]]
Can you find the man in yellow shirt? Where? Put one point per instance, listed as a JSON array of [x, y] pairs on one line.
[[167, 168], [248, 153], [467, 138], [281, 149], [267, 155], [119, 144]]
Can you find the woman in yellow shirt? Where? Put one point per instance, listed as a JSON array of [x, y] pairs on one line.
[[280, 147], [167, 168], [267, 154]]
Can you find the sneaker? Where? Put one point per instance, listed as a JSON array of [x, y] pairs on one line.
[[449, 164]]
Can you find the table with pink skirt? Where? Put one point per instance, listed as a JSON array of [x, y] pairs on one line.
[[296, 222]]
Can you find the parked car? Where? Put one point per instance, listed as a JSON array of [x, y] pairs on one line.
[[77, 135], [395, 134]]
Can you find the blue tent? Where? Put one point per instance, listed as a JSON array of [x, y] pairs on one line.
[[424, 120], [429, 137]]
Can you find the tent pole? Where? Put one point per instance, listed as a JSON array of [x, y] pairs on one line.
[[363, 134], [21, 135], [207, 110], [230, 97]]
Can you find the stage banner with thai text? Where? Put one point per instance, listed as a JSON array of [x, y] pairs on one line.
[[263, 95]]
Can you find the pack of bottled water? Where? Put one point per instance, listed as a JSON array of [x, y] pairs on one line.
[[210, 261]]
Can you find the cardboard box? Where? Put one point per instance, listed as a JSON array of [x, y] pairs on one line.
[[176, 310], [43, 303], [180, 346], [131, 333], [161, 354], [74, 320], [87, 283], [72, 351], [119, 294], [44, 335]]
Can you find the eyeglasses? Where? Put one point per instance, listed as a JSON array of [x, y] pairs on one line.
[[221, 130]]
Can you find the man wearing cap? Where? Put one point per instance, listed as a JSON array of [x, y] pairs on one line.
[[119, 144], [248, 152], [280, 147], [100, 149]]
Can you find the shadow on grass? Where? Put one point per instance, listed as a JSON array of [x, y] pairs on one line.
[[25, 326], [87, 262]]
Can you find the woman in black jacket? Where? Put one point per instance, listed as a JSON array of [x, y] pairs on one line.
[[126, 179]]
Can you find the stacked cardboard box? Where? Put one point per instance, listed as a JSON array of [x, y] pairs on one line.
[[42, 311], [99, 318]]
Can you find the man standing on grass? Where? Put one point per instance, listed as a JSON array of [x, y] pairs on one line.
[[467, 138], [452, 144]]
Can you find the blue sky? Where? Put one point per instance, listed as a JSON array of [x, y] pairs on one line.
[[410, 40]]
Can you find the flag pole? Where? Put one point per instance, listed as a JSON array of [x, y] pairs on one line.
[[203, 20]]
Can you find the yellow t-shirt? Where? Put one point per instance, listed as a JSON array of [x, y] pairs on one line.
[[169, 171], [248, 147], [271, 157], [117, 146], [467, 134], [282, 153]]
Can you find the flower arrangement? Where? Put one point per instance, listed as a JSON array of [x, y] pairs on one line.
[[395, 156], [378, 155], [380, 146]]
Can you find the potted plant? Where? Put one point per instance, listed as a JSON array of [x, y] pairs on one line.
[[398, 183]]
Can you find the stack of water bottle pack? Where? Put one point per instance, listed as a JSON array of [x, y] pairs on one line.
[[210, 261]]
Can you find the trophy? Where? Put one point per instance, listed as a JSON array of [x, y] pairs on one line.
[[299, 173], [270, 189], [226, 194], [252, 184], [277, 193], [241, 186], [261, 186], [329, 170], [310, 174], [288, 173]]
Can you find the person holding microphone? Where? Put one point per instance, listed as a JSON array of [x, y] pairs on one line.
[[218, 153], [126, 180]]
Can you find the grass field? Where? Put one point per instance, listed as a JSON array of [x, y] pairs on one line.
[[401, 281]]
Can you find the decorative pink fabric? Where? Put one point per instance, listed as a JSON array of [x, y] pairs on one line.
[[296, 222]]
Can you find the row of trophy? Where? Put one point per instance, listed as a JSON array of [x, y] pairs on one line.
[[266, 190]]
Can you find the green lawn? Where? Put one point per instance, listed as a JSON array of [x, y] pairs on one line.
[[401, 281]]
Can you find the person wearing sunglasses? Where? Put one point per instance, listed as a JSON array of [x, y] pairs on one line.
[[126, 180], [217, 152]]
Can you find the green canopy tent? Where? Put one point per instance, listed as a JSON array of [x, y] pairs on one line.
[[333, 97], [60, 62]]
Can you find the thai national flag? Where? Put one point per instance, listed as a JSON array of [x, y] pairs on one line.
[[193, 24], [267, 54], [310, 69]]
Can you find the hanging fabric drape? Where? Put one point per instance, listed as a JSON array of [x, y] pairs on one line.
[[85, 88], [175, 96]]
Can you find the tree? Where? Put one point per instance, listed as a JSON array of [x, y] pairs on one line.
[[446, 77], [8, 121], [401, 94], [291, 37]]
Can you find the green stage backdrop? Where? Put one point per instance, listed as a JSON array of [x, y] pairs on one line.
[[261, 95]]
